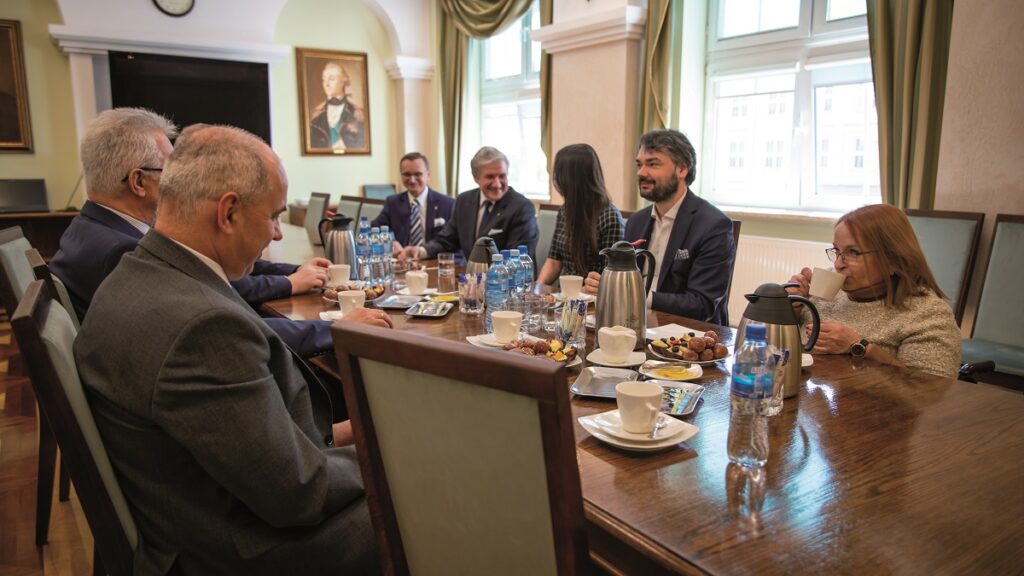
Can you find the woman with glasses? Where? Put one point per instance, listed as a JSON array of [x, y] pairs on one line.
[[587, 223], [890, 308]]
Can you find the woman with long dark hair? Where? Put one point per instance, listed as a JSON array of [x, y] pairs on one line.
[[587, 222], [890, 308]]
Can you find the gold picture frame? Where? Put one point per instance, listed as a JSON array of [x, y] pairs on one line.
[[334, 102], [15, 123]]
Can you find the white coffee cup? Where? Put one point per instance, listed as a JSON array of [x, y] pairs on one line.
[[571, 286], [416, 281], [616, 342], [338, 274], [639, 405], [506, 325], [349, 300], [825, 283]]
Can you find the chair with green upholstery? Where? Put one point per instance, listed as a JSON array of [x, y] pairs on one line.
[[58, 291], [949, 241], [371, 208], [378, 191], [547, 215], [45, 335], [349, 206], [318, 204], [998, 334], [468, 455]]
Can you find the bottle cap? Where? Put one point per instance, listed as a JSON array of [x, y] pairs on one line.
[[755, 332], [514, 252], [523, 249], [497, 258]]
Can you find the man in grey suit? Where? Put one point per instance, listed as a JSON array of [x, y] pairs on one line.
[[494, 209], [221, 437]]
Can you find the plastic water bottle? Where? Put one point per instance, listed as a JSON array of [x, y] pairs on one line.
[[527, 263], [363, 250], [388, 239], [496, 290], [377, 271], [753, 373], [535, 314], [514, 275], [520, 281]]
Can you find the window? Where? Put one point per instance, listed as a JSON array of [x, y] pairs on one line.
[[790, 82], [510, 103]]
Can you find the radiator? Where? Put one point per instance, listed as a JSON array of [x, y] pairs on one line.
[[760, 259]]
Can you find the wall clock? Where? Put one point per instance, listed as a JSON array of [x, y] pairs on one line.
[[175, 7]]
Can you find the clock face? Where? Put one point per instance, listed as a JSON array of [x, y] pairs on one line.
[[175, 7]]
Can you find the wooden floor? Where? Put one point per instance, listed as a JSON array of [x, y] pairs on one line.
[[69, 550]]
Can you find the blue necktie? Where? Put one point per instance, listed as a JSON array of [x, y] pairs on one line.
[[415, 225], [485, 220]]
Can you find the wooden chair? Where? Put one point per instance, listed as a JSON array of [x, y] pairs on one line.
[[997, 333], [736, 224], [15, 276], [318, 203], [45, 334], [349, 206], [468, 455], [949, 241], [378, 191], [58, 291], [370, 208], [547, 216]]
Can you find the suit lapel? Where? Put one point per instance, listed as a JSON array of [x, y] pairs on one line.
[[467, 234], [680, 231]]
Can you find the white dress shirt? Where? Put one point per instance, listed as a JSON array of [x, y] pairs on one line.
[[661, 231], [135, 222]]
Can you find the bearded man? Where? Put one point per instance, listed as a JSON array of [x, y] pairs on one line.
[[691, 240]]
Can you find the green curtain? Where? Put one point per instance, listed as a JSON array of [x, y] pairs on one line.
[[459, 21], [656, 72], [909, 42], [546, 18]]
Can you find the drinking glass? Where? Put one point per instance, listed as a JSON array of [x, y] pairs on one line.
[[551, 317], [401, 267], [446, 272], [534, 307], [471, 294]]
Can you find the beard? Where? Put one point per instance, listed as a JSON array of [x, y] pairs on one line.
[[659, 191]]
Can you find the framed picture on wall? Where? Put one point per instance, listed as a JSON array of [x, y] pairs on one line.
[[15, 128], [334, 102]]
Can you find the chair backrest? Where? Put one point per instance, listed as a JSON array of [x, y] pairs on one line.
[[547, 215], [949, 241], [318, 203], [378, 191], [370, 208], [736, 244], [1000, 314], [349, 206], [45, 336], [478, 441], [58, 291], [17, 273]]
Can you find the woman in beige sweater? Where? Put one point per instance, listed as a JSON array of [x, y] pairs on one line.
[[890, 308]]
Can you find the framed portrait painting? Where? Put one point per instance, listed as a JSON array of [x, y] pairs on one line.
[[15, 128], [334, 101]]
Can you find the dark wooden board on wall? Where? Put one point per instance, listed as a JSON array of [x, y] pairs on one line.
[[42, 229]]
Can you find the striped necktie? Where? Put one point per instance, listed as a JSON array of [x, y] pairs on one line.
[[415, 225]]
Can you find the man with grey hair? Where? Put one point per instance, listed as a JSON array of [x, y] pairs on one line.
[[494, 209], [220, 436], [123, 154], [691, 240]]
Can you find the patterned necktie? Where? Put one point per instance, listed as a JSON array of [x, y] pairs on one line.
[[415, 225], [485, 220]]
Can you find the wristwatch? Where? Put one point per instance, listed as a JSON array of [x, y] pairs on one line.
[[859, 349]]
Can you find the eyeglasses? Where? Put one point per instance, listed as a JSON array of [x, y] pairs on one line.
[[126, 176], [848, 255]]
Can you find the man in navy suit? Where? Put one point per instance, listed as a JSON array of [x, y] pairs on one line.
[[123, 154], [433, 209], [691, 240], [494, 209]]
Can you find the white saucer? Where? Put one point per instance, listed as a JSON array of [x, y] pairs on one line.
[[611, 424], [559, 297], [634, 359], [806, 360], [349, 285], [693, 371], [590, 322], [427, 292], [658, 444], [670, 330], [331, 315]]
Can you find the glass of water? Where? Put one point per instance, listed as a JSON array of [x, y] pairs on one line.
[[446, 281]]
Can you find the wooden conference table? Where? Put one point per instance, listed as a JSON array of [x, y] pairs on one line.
[[872, 469]]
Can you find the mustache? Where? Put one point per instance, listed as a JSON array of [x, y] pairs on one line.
[[647, 181]]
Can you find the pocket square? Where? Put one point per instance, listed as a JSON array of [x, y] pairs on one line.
[[495, 231], [438, 222], [683, 254]]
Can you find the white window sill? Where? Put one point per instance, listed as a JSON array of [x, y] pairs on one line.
[[778, 214]]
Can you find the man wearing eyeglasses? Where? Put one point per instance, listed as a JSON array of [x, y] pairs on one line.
[[418, 214], [123, 154]]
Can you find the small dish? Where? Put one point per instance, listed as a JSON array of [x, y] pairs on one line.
[[331, 315], [430, 309], [670, 330], [657, 354], [680, 398], [599, 381], [656, 369], [633, 359], [486, 341], [611, 424], [659, 444], [349, 285], [396, 302], [427, 292], [559, 297]]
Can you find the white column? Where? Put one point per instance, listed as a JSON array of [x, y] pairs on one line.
[[596, 75], [414, 102]]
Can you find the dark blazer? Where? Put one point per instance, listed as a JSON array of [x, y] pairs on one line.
[[396, 215], [700, 252], [219, 438], [96, 239], [513, 222], [352, 117]]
